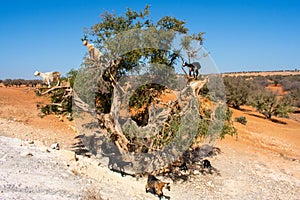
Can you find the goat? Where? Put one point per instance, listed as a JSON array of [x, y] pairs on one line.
[[155, 186], [207, 168], [49, 77], [197, 85], [206, 164], [94, 53], [193, 68]]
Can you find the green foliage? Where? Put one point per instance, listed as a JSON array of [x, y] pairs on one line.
[[71, 76], [188, 40], [167, 135], [61, 102], [241, 119], [260, 81], [118, 36], [220, 126], [109, 35], [60, 98], [291, 84], [237, 91], [144, 95], [19, 82], [294, 94], [225, 116], [7, 82], [275, 78], [268, 104]]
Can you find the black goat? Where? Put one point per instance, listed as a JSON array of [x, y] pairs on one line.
[[193, 68]]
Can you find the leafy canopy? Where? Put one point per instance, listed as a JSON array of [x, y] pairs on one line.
[[269, 104], [105, 35]]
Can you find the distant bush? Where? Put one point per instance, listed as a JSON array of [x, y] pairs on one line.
[[268, 104], [71, 76], [291, 84], [7, 82], [237, 91], [33, 83], [19, 82], [260, 81], [241, 119], [287, 84], [275, 78], [294, 94]]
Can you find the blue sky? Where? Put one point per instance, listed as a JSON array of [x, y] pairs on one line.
[[241, 35]]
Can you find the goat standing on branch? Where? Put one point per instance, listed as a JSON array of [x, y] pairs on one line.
[[155, 186], [94, 53], [49, 77], [193, 68]]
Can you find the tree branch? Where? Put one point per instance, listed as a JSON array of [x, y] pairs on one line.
[[57, 87]]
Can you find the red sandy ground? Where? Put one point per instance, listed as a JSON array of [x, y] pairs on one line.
[[278, 142], [20, 104]]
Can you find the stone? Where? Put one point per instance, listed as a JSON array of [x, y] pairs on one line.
[[55, 146]]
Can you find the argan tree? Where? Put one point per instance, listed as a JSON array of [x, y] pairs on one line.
[[121, 92], [269, 104], [237, 91]]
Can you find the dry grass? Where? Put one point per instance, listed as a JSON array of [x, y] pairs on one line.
[[91, 194]]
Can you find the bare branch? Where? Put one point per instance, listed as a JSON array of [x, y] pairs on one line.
[[54, 88]]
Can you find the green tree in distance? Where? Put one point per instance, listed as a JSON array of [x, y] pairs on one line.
[[269, 104], [237, 91]]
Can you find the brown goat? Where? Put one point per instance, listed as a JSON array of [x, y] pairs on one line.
[[94, 53], [155, 186]]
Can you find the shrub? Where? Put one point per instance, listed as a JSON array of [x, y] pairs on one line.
[[268, 104], [260, 81], [71, 75], [7, 82], [222, 122], [275, 78], [237, 91], [241, 119]]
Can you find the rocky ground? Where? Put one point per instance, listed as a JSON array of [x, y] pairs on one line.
[[263, 163]]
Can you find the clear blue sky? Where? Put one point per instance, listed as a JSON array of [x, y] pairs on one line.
[[240, 34]]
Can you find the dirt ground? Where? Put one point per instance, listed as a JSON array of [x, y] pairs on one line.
[[263, 162], [20, 105], [270, 73]]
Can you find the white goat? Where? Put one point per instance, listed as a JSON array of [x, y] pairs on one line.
[[197, 85], [94, 53], [49, 77]]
